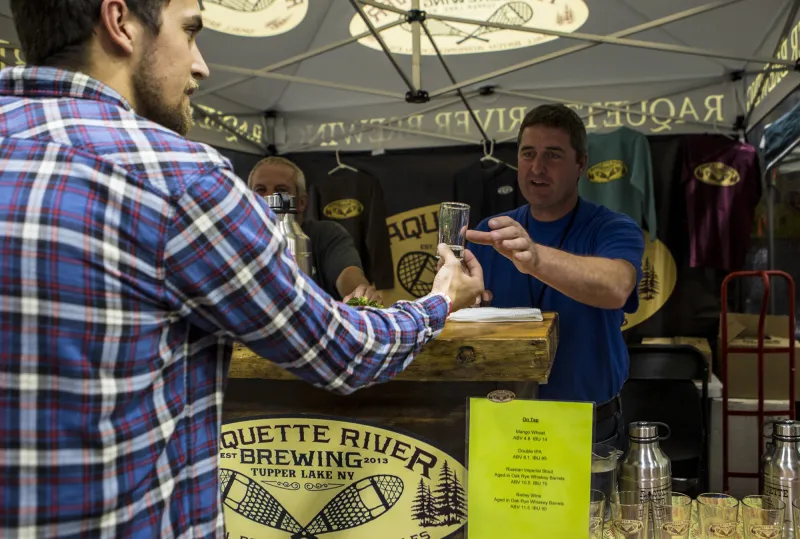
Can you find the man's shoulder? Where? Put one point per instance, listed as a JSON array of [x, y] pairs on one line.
[[323, 228], [604, 217], [118, 136], [517, 214]]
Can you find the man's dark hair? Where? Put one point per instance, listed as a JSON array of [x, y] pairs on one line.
[[55, 32], [561, 117]]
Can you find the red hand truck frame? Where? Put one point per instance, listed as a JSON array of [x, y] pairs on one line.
[[725, 350]]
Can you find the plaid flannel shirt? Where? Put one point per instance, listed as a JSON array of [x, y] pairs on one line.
[[130, 260]]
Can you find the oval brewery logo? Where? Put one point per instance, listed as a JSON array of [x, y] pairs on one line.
[[253, 18], [479, 35], [607, 171], [717, 174], [284, 477], [346, 208]]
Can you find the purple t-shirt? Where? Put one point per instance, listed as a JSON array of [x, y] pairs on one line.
[[723, 186]]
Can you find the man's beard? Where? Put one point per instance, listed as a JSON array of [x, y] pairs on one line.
[[150, 101]]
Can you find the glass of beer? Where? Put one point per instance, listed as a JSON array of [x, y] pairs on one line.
[[453, 223]]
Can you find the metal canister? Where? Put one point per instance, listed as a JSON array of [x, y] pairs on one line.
[[645, 468], [285, 207], [780, 468]]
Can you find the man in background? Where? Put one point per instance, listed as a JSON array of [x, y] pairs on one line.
[[335, 261], [564, 254], [131, 260]]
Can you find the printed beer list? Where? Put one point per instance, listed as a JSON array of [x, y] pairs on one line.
[[529, 469]]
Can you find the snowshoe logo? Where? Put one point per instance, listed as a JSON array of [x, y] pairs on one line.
[[501, 395], [254, 18], [727, 529], [607, 171], [765, 532], [717, 174], [346, 208], [459, 38], [303, 478], [505, 190], [676, 528], [628, 527]]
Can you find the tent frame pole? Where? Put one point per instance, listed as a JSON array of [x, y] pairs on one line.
[[584, 46], [452, 78], [596, 38], [416, 48], [296, 59], [305, 80], [383, 45]]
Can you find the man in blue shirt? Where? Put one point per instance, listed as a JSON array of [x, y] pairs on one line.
[[564, 254]]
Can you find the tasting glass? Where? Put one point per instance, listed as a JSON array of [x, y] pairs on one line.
[[597, 504], [630, 516], [672, 516], [718, 515], [763, 517], [453, 223]]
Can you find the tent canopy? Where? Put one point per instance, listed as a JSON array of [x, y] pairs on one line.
[[381, 74]]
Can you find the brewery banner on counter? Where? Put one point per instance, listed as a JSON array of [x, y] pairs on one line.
[[285, 477]]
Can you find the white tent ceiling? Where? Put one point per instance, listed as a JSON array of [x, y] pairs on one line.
[[675, 62]]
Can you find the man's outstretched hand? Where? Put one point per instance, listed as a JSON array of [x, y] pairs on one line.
[[510, 239], [364, 291], [461, 282]]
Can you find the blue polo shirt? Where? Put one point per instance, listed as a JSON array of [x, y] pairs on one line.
[[591, 361]]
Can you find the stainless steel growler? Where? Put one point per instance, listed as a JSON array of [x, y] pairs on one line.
[[780, 467], [645, 468], [285, 207]]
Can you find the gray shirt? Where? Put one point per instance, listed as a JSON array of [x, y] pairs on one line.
[[332, 250]]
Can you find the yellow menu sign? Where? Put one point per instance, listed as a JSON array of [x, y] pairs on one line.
[[529, 469]]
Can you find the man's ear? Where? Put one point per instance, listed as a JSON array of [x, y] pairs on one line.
[[582, 163], [122, 29]]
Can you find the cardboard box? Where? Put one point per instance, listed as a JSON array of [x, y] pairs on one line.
[[743, 366], [698, 343]]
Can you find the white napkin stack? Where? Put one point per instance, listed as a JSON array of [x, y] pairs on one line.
[[494, 314]]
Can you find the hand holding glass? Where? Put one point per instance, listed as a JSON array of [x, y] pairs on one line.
[[453, 223]]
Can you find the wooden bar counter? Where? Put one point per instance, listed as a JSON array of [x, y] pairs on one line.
[[427, 400], [403, 432]]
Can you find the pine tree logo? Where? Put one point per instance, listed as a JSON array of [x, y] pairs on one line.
[[423, 509], [444, 506], [649, 287]]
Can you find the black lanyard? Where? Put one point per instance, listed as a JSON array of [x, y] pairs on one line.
[[538, 304]]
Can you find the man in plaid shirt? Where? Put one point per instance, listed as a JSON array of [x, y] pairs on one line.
[[130, 260]]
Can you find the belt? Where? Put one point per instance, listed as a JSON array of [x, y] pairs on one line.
[[606, 410]]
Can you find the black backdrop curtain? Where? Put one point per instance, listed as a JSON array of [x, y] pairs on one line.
[[686, 302]]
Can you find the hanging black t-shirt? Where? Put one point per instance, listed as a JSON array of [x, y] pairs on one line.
[[666, 153], [489, 188], [355, 200]]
